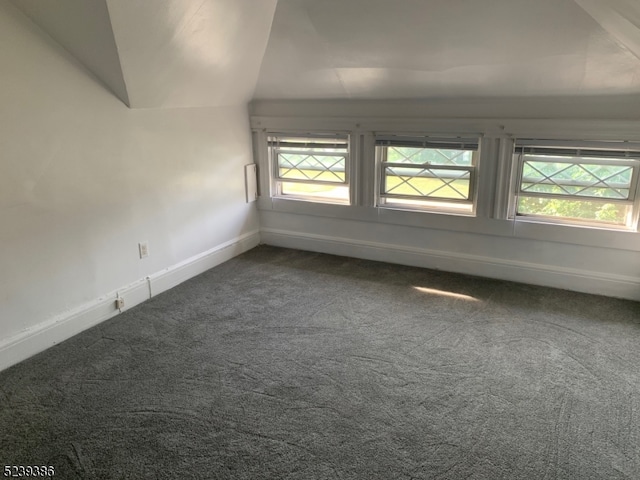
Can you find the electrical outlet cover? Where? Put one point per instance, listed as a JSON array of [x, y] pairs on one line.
[[144, 249]]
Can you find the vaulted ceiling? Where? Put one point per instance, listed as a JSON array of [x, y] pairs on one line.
[[447, 48], [191, 53], [174, 53]]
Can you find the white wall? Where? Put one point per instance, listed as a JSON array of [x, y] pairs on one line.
[[598, 270], [84, 179], [614, 107]]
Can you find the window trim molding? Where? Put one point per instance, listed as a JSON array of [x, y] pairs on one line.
[[518, 160], [431, 141], [496, 187], [275, 180]]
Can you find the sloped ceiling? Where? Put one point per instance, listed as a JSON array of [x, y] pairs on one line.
[[620, 18], [82, 27], [446, 48], [191, 53], [198, 53], [174, 53]]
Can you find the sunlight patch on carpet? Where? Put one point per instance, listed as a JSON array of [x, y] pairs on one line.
[[444, 293]]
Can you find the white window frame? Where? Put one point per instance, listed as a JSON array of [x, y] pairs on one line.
[[622, 153], [496, 183], [427, 203], [276, 180]]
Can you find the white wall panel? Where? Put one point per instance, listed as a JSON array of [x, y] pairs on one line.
[[574, 267], [84, 179]]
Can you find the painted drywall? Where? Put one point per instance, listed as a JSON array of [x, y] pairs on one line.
[[84, 179], [620, 18], [372, 49], [191, 52], [599, 270], [82, 27], [612, 107]]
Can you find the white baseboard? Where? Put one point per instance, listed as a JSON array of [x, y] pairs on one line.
[[175, 275], [61, 327], [611, 285]]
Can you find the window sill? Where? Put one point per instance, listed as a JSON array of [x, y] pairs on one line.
[[426, 210], [319, 200]]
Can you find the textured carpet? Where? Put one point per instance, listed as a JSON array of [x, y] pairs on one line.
[[296, 365]]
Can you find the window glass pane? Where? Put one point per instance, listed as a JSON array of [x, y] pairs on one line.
[[317, 191], [576, 176], [426, 182], [587, 210], [319, 167], [311, 166], [432, 156]]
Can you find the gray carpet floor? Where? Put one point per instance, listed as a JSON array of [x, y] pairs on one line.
[[281, 364]]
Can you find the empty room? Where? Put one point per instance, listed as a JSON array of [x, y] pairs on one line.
[[320, 239]]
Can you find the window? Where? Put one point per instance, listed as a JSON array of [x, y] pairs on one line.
[[590, 186], [313, 167], [427, 173]]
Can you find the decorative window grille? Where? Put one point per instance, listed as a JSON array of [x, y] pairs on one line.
[[578, 185], [312, 167], [428, 173]]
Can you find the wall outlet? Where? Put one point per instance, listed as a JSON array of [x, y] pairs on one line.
[[144, 249], [119, 303]]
